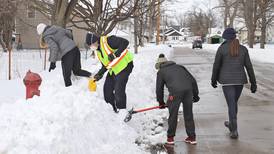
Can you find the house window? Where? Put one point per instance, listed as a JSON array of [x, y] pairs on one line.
[[175, 38], [31, 11]]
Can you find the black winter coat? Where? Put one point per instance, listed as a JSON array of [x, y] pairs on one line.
[[231, 70], [176, 78]]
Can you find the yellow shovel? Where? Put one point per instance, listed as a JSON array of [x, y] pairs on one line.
[[92, 85]]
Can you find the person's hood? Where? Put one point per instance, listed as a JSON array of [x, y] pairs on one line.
[[50, 30], [167, 64]]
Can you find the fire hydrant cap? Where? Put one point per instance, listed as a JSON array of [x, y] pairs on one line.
[[32, 78]]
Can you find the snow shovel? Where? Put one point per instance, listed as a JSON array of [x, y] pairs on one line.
[[131, 112], [92, 85]]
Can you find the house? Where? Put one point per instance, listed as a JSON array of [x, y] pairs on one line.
[[243, 34], [25, 28], [214, 36], [172, 34], [186, 32]]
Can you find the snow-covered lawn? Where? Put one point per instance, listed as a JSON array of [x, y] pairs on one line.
[[74, 120], [262, 55]]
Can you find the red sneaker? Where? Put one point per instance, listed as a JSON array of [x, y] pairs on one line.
[[170, 141], [191, 140]]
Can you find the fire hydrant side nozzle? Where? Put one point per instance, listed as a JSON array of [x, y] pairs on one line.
[[32, 82]]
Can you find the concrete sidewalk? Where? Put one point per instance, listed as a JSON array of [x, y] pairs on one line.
[[255, 116]]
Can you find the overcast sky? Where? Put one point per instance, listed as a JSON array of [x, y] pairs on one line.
[[181, 6]]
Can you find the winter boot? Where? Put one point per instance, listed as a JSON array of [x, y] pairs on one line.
[[234, 131], [227, 124], [191, 140], [170, 141], [234, 134]]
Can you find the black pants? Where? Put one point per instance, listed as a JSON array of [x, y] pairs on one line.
[[115, 88], [71, 61], [232, 94], [173, 107]]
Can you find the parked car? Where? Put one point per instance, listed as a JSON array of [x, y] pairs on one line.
[[197, 44]]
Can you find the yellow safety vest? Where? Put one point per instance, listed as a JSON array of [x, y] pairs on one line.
[[119, 63]]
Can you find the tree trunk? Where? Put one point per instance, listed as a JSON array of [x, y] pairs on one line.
[[141, 32], [251, 36], [226, 11], [263, 37], [251, 18], [135, 33], [62, 12], [150, 22], [263, 10], [158, 23], [2, 43]]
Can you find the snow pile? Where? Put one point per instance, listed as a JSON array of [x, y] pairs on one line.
[[262, 55], [74, 120]]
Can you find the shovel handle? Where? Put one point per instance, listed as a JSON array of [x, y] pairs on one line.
[[146, 109]]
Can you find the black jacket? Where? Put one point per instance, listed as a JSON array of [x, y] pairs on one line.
[[231, 70], [176, 78], [114, 42]]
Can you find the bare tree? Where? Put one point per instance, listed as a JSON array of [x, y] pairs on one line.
[[199, 22], [146, 13], [152, 20], [100, 16], [266, 9], [229, 10], [181, 20], [251, 17], [8, 10], [57, 11]]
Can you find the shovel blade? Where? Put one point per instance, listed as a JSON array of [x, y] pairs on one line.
[[128, 116]]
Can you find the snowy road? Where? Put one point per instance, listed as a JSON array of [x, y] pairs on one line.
[[255, 118]]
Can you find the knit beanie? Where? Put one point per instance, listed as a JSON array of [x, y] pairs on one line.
[[91, 38], [229, 34], [161, 59]]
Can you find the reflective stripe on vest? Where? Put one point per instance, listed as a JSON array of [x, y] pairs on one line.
[[109, 51], [119, 63]]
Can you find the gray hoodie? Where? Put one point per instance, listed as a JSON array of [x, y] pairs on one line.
[[59, 41]]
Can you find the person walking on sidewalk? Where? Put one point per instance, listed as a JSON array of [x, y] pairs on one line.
[[113, 54], [182, 88], [229, 70], [62, 47]]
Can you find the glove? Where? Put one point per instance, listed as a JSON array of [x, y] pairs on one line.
[[52, 66], [97, 77], [111, 57], [196, 99], [214, 84], [162, 105], [253, 88]]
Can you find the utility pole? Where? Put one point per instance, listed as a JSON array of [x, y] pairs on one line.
[[9, 50], [165, 27], [45, 59], [210, 15], [135, 31], [158, 23]]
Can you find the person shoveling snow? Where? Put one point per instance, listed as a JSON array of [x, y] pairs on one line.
[[115, 58], [182, 88]]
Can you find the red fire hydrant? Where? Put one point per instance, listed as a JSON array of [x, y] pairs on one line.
[[32, 82]]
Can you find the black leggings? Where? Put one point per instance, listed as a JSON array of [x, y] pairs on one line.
[[232, 94], [71, 61]]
